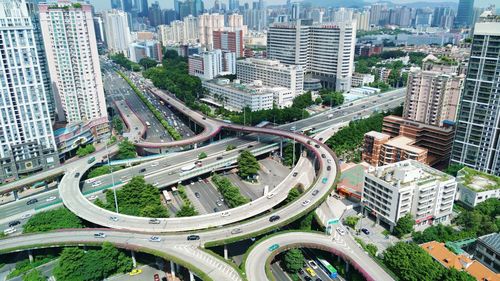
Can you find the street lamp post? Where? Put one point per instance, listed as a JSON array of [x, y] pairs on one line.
[[112, 179]]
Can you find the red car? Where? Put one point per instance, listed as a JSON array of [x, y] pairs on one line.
[[156, 277]]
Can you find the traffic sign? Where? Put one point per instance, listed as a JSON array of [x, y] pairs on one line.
[[333, 221]]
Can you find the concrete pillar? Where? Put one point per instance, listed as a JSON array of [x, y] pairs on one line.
[[195, 146], [281, 147], [377, 220], [16, 195], [391, 228], [30, 256], [338, 259], [226, 254], [134, 262], [191, 276], [346, 267], [172, 269], [46, 185], [177, 267]]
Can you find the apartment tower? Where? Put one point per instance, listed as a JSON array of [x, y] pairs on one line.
[[116, 31]]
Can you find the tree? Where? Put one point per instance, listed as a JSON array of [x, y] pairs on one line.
[[70, 265], [303, 101], [331, 98], [51, 220], [202, 155], [453, 169], [248, 166], [103, 170], [126, 150], [455, 275], [117, 124], [148, 63], [186, 211], [293, 260], [34, 275], [306, 221], [85, 150], [371, 249], [440, 233], [351, 221], [288, 154], [292, 195], [231, 193], [230, 147], [411, 263], [404, 226]]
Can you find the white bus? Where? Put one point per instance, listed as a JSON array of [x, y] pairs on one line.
[[168, 199], [188, 167]]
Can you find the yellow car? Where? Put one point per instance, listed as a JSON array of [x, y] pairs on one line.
[[135, 272], [311, 272]]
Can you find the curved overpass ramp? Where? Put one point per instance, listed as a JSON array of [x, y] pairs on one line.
[[260, 256]]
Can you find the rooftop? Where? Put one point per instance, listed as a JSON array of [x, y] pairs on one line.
[[377, 135], [255, 88], [405, 143], [492, 240], [477, 181]]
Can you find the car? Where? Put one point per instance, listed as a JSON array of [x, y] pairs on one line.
[[249, 146], [310, 271], [156, 184], [113, 218], [221, 199], [274, 218], [270, 195], [219, 157], [295, 174], [100, 235], [32, 201], [14, 223], [50, 199], [323, 155], [142, 170], [324, 180], [193, 237], [306, 202], [315, 192], [204, 118], [318, 279], [77, 175], [273, 247], [320, 139], [25, 216], [154, 221], [313, 264], [9, 230], [156, 277], [92, 197], [301, 271], [365, 231], [236, 231], [216, 210], [329, 168], [96, 183], [219, 203], [197, 195], [135, 272], [340, 231], [154, 164], [316, 145], [225, 214], [154, 239], [307, 278]]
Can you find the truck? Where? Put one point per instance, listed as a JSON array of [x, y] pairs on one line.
[[188, 168]]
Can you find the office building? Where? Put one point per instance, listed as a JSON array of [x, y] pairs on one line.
[[117, 33], [476, 142], [210, 64], [464, 13], [256, 17], [326, 51], [423, 18], [432, 95], [179, 32], [409, 187], [361, 79], [272, 73], [342, 15], [188, 7], [295, 11], [235, 96], [380, 149], [26, 139], [487, 251], [71, 49], [99, 29], [443, 17], [155, 14], [145, 49], [475, 187], [229, 41], [207, 24]]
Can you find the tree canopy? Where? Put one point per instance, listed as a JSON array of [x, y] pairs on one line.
[[248, 166], [52, 220], [404, 226], [331, 98], [292, 195], [148, 63], [293, 260], [117, 124], [126, 150], [120, 59], [303, 101], [453, 169], [231, 193], [85, 150], [34, 275]]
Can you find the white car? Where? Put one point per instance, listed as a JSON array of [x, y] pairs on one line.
[[219, 203], [51, 198], [25, 216], [154, 239], [305, 203], [340, 231], [154, 164], [313, 264], [225, 214], [156, 184], [92, 197], [100, 235], [9, 231], [270, 195], [96, 184]]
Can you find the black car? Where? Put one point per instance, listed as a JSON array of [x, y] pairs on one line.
[[295, 174], [193, 237], [32, 201], [142, 170], [319, 279], [329, 168], [301, 271], [14, 223], [365, 231], [250, 146], [323, 156], [307, 278], [315, 192], [154, 221], [219, 157], [316, 145], [197, 195], [77, 175], [274, 218]]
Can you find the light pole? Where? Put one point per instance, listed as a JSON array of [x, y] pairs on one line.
[[112, 178]]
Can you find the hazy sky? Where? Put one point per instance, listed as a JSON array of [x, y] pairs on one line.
[[105, 4]]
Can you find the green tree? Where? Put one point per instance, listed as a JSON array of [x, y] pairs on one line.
[[440, 233], [117, 124], [306, 221], [293, 260], [51, 220], [70, 265], [230, 147], [186, 211], [147, 63], [404, 226], [85, 150], [202, 155], [103, 170], [303, 101], [453, 169], [371, 249], [126, 150], [288, 154], [351, 221], [248, 166], [411, 263], [331, 98], [34, 275], [231, 193], [292, 195], [455, 275]]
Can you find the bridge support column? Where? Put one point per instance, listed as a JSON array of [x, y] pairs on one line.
[[195, 146], [281, 147], [134, 262], [30, 256], [226, 252], [172, 269], [191, 276], [16, 195], [346, 267]]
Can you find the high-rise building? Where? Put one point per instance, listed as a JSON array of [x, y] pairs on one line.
[[476, 142], [116, 4], [207, 24], [189, 7], [256, 17], [71, 49], [229, 41], [295, 13], [423, 18], [326, 51], [465, 13], [26, 138], [145, 49], [376, 12], [208, 65], [362, 20], [342, 15], [168, 16], [234, 5], [116, 31], [183, 32], [99, 28], [155, 14]]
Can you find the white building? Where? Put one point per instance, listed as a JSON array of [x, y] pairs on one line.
[[26, 139], [362, 20], [208, 65], [207, 24], [179, 32], [236, 96], [475, 187], [145, 49], [235, 22], [71, 48], [408, 187], [326, 51], [117, 33], [271, 73], [361, 79]]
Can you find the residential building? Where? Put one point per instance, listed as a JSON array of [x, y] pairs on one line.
[[448, 259], [408, 187], [383, 73], [362, 20], [437, 140], [99, 29], [71, 49], [117, 33], [179, 32], [361, 79], [487, 251], [207, 24], [235, 96], [256, 16], [229, 41], [368, 49], [464, 13], [380, 149], [145, 49], [432, 96], [26, 139], [376, 13], [476, 142], [209, 65], [326, 51], [272, 73], [475, 187], [235, 22]]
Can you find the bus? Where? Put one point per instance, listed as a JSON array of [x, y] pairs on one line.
[[188, 168], [168, 199], [148, 124], [328, 268]]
